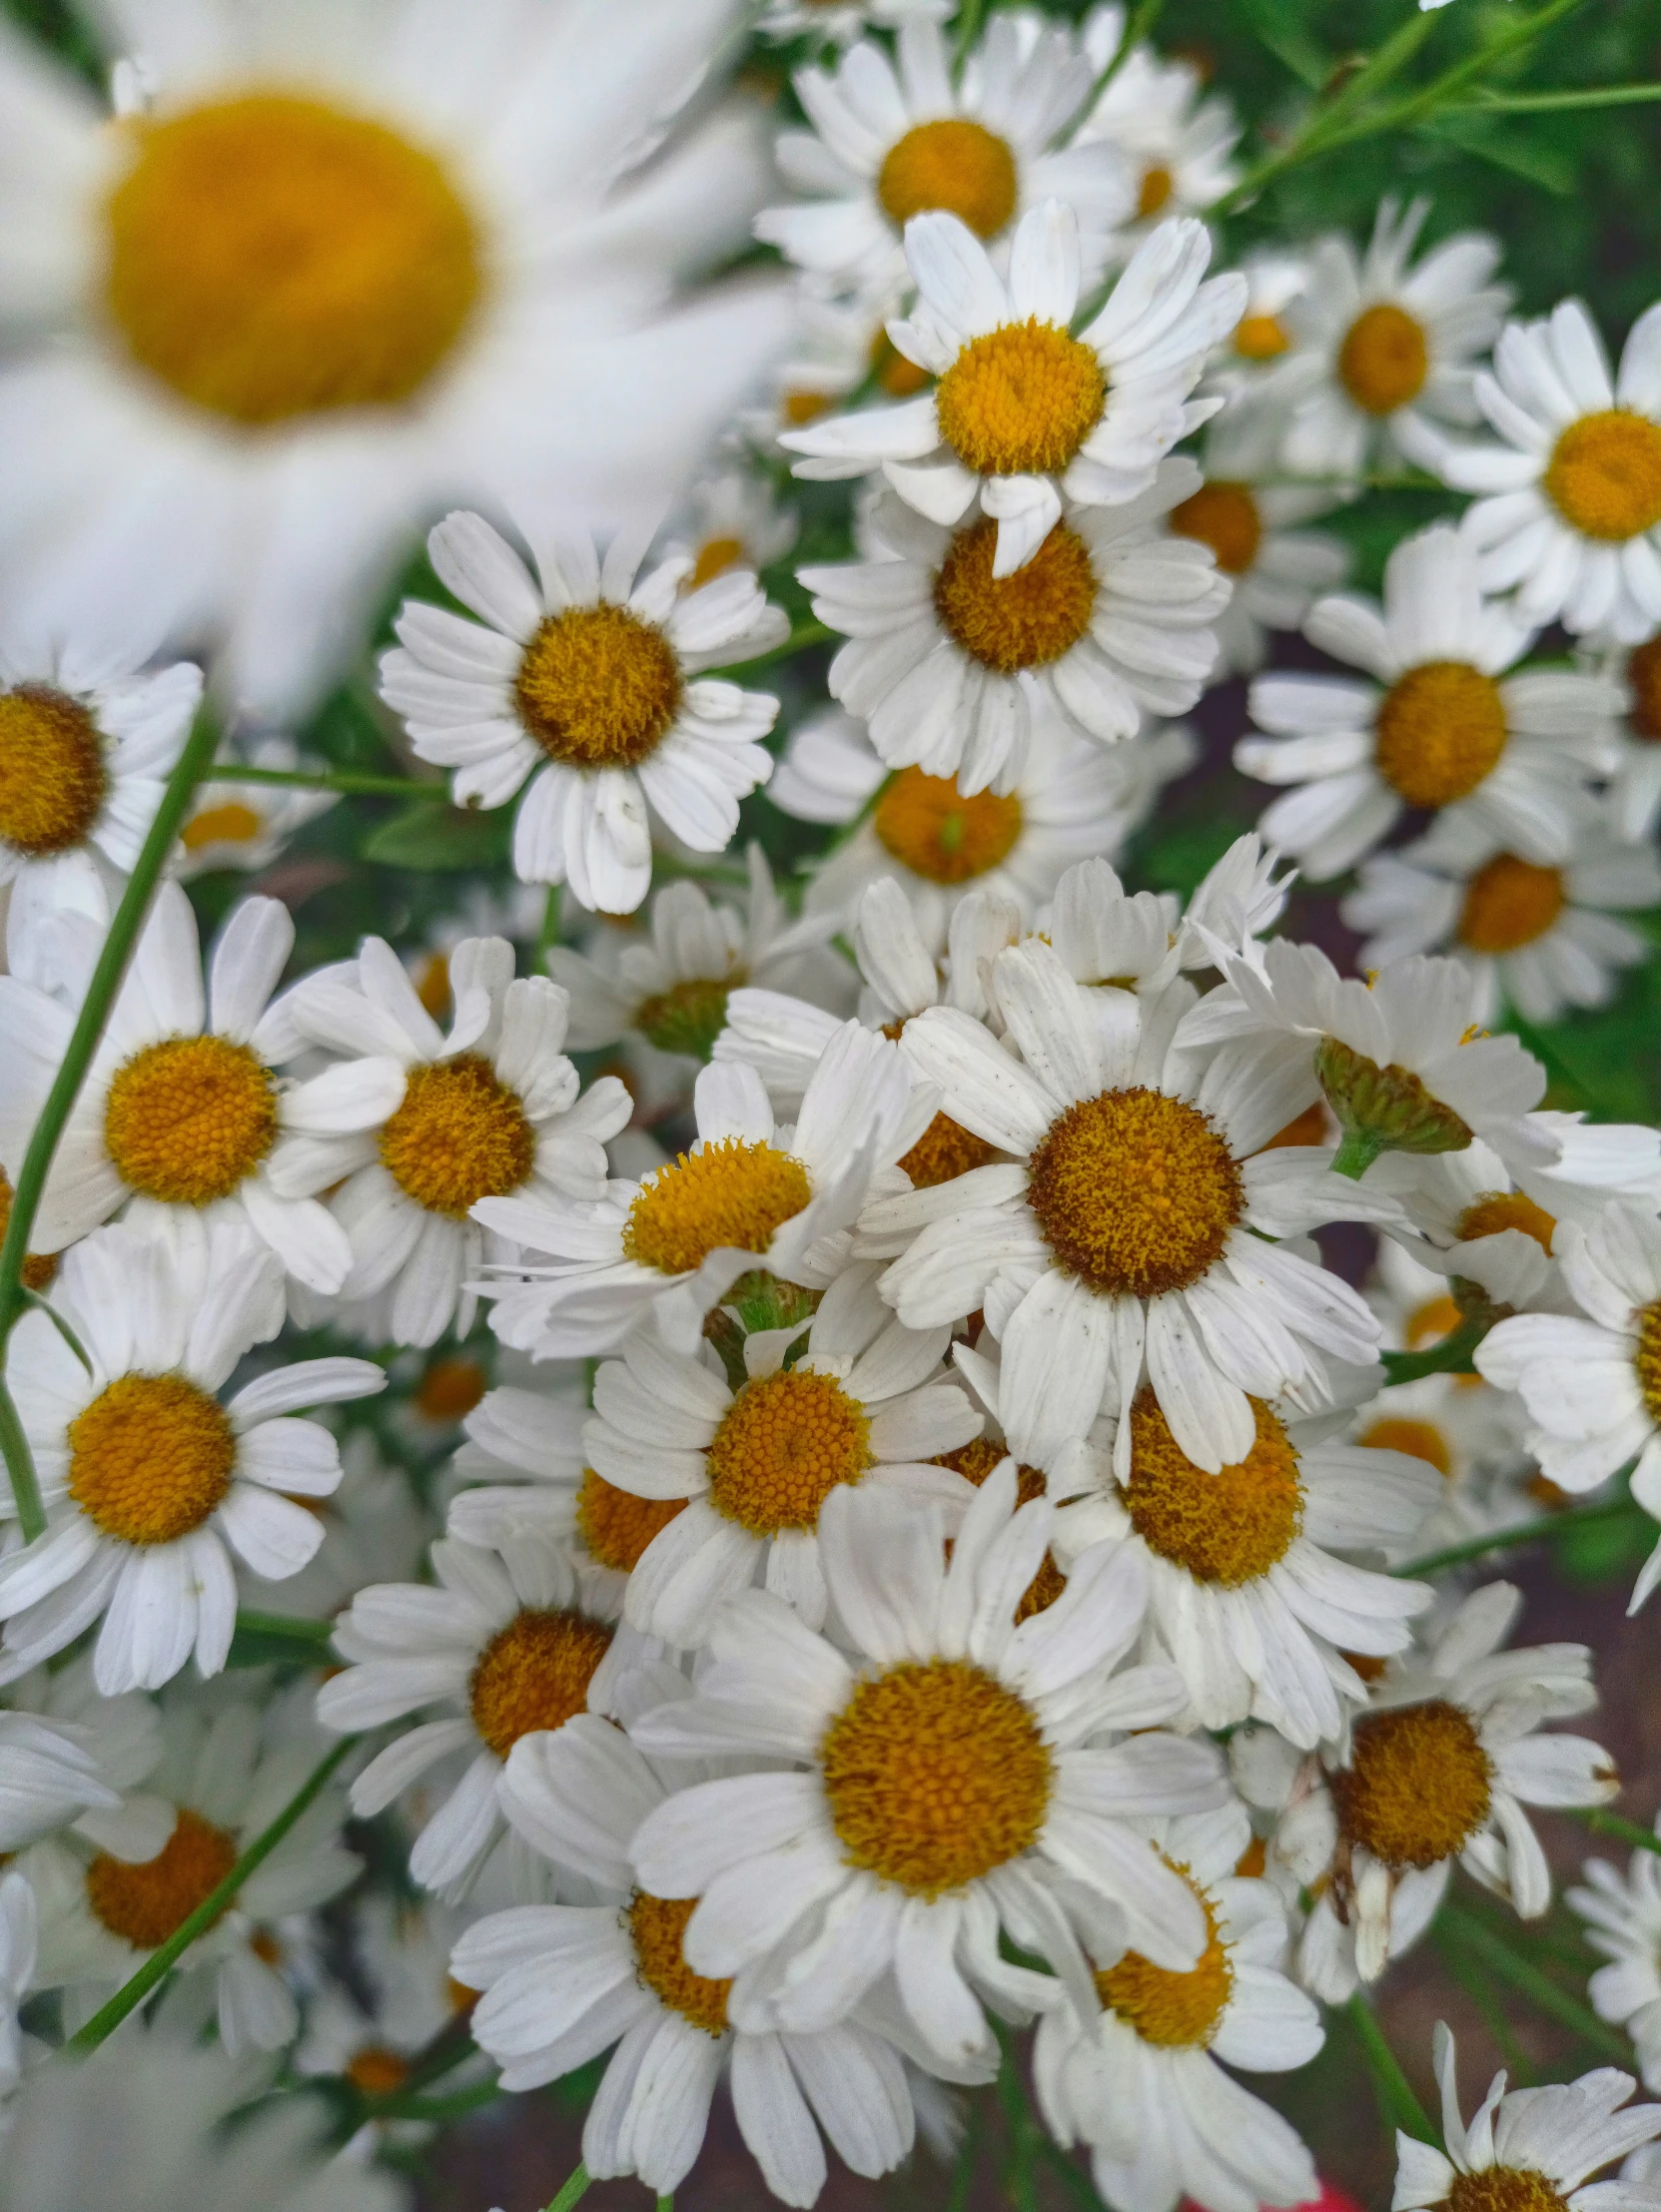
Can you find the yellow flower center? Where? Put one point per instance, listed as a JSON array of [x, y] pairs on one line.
[[1020, 621], [1417, 1787], [1494, 1210], [1503, 2189], [451, 1388], [1647, 1359], [52, 777], [231, 824], [657, 1929], [1308, 1127], [460, 1136], [1430, 1322], [799, 407], [1225, 516], [270, 256], [689, 1016], [615, 1525], [1604, 475], [930, 828], [534, 1674], [1177, 2011], [944, 1152], [781, 1450], [1441, 728], [899, 377], [1136, 1192], [433, 985], [142, 1905], [188, 1120], [729, 1194], [597, 687], [935, 1773], [951, 163], [377, 2071], [1509, 903], [1156, 189], [1383, 360], [149, 1459], [976, 1461], [1021, 400], [39, 1268], [1643, 675], [1262, 338], [1393, 1432], [1227, 1528], [715, 556]]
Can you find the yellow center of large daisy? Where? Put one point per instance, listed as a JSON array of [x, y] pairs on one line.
[[144, 1904], [1494, 1210], [1394, 1432], [1383, 360], [951, 163], [1225, 516], [231, 824], [1643, 675], [1509, 903], [185, 1121], [657, 1929], [932, 829], [935, 1773], [1135, 1192], [781, 1450], [1177, 2011], [689, 1016], [597, 687], [1441, 728], [1021, 400], [149, 1459], [1503, 2189], [534, 1674], [1417, 1787], [730, 1194], [270, 256], [459, 1135], [1647, 1359], [52, 776], [617, 1526], [1262, 338], [1228, 1528], [1604, 474], [1020, 621], [945, 1151]]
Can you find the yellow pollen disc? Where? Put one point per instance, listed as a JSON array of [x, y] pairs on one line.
[[1020, 621], [1021, 400], [799, 407], [1508, 1209], [617, 1526], [1227, 1528], [189, 1119], [781, 1450], [1262, 338], [142, 1905], [1393, 1432], [39, 1268], [1647, 1359], [944, 1152], [975, 1461], [1441, 728], [1430, 1322], [534, 1674], [1156, 189], [460, 1136], [935, 1773], [1177, 2011], [231, 824], [1604, 475], [1503, 2189], [1308, 1127], [270, 256], [149, 1459], [433, 985], [1368, 1665], [1509, 903], [689, 1016], [899, 377], [729, 1194], [1643, 675], [1417, 1787], [657, 1928], [52, 778], [1136, 1192], [377, 2071], [715, 556], [451, 1388], [930, 828], [1223, 516], [1252, 1861], [951, 163], [1383, 360], [598, 688]]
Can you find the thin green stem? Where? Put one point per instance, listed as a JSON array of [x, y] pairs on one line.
[[165, 1956], [1357, 1154], [44, 1305], [968, 2158], [451, 2108], [572, 2193], [1452, 1356], [289, 1626], [803, 635], [1524, 1532], [1465, 1930], [1138, 24], [1546, 103], [1601, 1822], [333, 779], [666, 2204], [1024, 2133], [548, 935], [1397, 2099], [20, 1466], [1077, 2184]]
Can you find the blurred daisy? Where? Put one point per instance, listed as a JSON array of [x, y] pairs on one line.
[[403, 1996], [1622, 1913], [246, 824], [1634, 790], [731, 520], [70, 1758], [19, 1937], [1179, 143], [585, 688], [835, 345], [1244, 370], [841, 21], [375, 1526]]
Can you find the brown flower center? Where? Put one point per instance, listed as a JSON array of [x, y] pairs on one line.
[[783, 1447], [142, 1905], [1228, 1528], [657, 1928], [151, 1458], [53, 780], [459, 1135], [1604, 475], [1226, 517], [1022, 622], [1383, 360], [1441, 729], [534, 1674], [1417, 1787], [598, 688], [1176, 2011], [932, 829], [1509, 903], [617, 1526]]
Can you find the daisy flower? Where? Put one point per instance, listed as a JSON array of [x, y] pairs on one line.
[[404, 1996], [472, 277], [1246, 369], [1572, 500], [151, 1480], [563, 1984], [585, 687], [1024, 412], [1180, 145], [835, 344], [1623, 1922], [1106, 623], [1436, 722], [72, 1759], [1140, 2081], [732, 519], [375, 1526], [489, 1109], [246, 825]]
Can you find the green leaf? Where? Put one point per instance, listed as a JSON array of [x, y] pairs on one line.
[[437, 836]]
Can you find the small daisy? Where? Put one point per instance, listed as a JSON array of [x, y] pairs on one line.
[[1023, 412], [1140, 2081], [732, 520], [375, 1527], [488, 1109], [72, 1759], [1107, 624], [1623, 1921], [1435, 723], [836, 345], [1180, 145], [841, 21], [150, 1482], [402, 1995], [586, 689], [246, 825], [1244, 370], [1573, 495], [1383, 356]]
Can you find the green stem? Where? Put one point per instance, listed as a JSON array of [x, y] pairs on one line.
[[1545, 103], [803, 635], [1138, 24], [451, 2108], [1077, 2184], [20, 1466], [548, 935], [666, 2204], [1524, 1532], [1452, 1356], [1024, 2134], [1360, 1147], [1464, 1930], [969, 24], [334, 779], [574, 2190], [1394, 2091], [1601, 1822], [165, 1956], [967, 2160], [43, 1306], [292, 1626]]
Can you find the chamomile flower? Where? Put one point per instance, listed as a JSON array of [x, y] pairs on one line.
[[1435, 721], [246, 824], [150, 1480], [1180, 145], [1246, 369], [1622, 1913], [585, 689], [836, 342], [1140, 2081], [1107, 624], [375, 1527], [1023, 412], [732, 519], [403, 1996], [950, 1785]]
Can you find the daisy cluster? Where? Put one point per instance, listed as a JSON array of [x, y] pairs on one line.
[[744, 1412]]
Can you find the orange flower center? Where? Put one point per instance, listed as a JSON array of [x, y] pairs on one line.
[[1383, 360], [534, 1674], [53, 782], [1022, 622], [598, 688], [1604, 475], [1509, 903], [951, 163], [1441, 728], [1223, 516], [142, 1905]]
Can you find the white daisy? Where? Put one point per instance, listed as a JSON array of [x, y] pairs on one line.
[[586, 688], [1246, 369], [246, 825], [1180, 145], [375, 1526], [1436, 722], [402, 1996], [72, 1759], [151, 1483], [836, 346], [732, 519], [948, 1790], [1623, 1921]]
